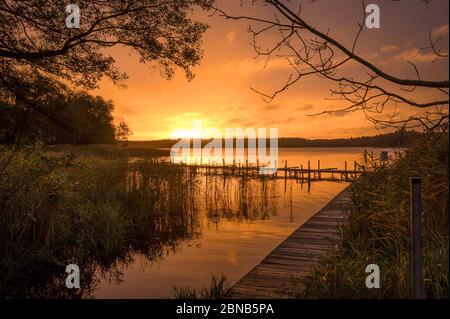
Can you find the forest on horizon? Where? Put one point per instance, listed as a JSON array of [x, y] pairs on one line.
[[400, 138]]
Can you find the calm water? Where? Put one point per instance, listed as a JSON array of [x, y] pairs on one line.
[[237, 225]]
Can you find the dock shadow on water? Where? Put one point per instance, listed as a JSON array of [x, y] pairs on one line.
[[138, 229]]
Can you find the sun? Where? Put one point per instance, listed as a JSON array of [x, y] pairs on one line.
[[198, 131], [185, 134]]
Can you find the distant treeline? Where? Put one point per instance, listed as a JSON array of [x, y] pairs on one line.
[[397, 139], [400, 138]]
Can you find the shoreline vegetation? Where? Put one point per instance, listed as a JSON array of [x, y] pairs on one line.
[[161, 148], [57, 209], [86, 204], [400, 138], [377, 230]]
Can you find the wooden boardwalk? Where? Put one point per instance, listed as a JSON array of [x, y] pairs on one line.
[[286, 266]]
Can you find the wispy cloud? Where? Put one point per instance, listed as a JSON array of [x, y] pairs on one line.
[[271, 107], [252, 65], [305, 107], [231, 36], [389, 48], [414, 55], [440, 31], [338, 113]]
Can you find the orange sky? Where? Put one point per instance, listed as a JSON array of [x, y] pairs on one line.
[[219, 96]]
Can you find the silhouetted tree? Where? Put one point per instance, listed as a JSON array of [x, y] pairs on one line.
[[310, 51], [122, 132], [65, 117], [38, 52]]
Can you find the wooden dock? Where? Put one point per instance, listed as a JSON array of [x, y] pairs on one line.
[[285, 268], [303, 174]]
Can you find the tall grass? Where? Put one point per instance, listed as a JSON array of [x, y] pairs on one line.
[[93, 206], [377, 230], [107, 150], [217, 289], [58, 209]]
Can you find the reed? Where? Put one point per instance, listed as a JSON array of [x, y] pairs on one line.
[[217, 289], [107, 151], [70, 206], [377, 230], [58, 209]]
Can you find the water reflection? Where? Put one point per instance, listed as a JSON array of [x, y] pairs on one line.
[[181, 226], [240, 220], [239, 198]]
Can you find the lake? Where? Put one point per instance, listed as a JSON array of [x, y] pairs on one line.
[[236, 225]]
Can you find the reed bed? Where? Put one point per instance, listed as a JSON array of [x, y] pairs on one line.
[[61, 209], [217, 289], [99, 210], [377, 230]]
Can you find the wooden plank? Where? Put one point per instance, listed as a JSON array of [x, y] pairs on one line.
[[282, 272]]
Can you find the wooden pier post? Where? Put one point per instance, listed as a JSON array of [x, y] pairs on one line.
[[318, 170], [246, 165], [346, 174], [285, 169], [276, 170], [309, 172], [285, 175]]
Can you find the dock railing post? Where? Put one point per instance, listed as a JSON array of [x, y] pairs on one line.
[[416, 237], [318, 170], [309, 172], [276, 170], [346, 174], [257, 167], [285, 169], [247, 169]]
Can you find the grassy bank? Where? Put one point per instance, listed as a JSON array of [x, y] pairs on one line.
[[107, 151], [217, 289], [377, 230], [95, 212]]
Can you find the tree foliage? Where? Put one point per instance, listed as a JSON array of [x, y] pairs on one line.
[[40, 57], [35, 37], [69, 118]]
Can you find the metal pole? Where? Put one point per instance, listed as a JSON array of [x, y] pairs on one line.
[[416, 236]]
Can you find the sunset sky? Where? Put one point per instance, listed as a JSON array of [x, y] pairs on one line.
[[219, 96]]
